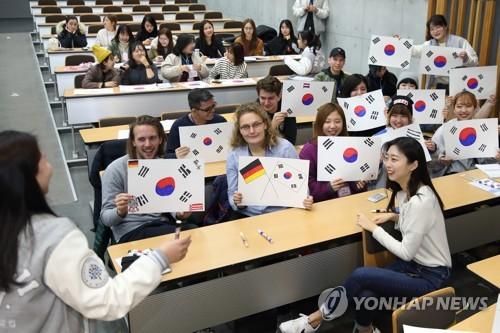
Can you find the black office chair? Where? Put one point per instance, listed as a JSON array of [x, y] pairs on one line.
[[107, 153], [82, 10], [171, 26], [55, 18], [170, 8], [93, 29], [51, 10], [213, 15], [196, 7], [184, 16], [77, 59], [278, 70], [78, 81], [90, 18], [141, 8]]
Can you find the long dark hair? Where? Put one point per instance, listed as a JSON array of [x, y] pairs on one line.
[[239, 54], [132, 46], [123, 28], [288, 23], [22, 197], [202, 36], [162, 50], [312, 39], [253, 41], [351, 83], [149, 18], [413, 151], [435, 20]]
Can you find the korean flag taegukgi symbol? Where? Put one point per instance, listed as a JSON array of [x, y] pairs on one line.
[[390, 51], [272, 181], [476, 138], [304, 98], [365, 111], [438, 60], [165, 185], [481, 81], [348, 158], [207, 143], [428, 104]]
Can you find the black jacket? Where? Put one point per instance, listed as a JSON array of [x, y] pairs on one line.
[[214, 50], [72, 40]]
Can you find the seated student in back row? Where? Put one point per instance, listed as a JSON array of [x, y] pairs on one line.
[[330, 121], [120, 44], [269, 93], [162, 45], [139, 69], [336, 60], [70, 33], [379, 77], [183, 64], [252, 45], [253, 135], [104, 74], [146, 141], [312, 59], [207, 42], [148, 30], [231, 66], [202, 106], [285, 42]]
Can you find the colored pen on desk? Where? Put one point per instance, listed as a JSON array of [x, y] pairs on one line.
[[378, 211], [263, 234], [178, 224], [244, 239]]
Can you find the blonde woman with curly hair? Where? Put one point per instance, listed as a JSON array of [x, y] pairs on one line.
[[253, 135]]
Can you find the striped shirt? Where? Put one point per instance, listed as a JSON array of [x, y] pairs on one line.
[[224, 69]]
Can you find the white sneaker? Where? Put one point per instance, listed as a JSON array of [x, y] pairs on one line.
[[299, 325]]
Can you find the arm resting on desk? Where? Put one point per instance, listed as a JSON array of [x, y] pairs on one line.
[[77, 276]]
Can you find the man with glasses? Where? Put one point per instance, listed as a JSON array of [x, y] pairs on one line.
[[202, 105]]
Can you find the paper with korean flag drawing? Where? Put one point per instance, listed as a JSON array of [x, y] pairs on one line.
[[481, 81], [209, 143], [301, 98], [428, 104], [474, 138], [348, 158], [165, 185], [365, 111], [273, 181], [390, 51], [411, 131], [438, 60]]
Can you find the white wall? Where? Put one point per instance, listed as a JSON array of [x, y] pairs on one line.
[[349, 26]]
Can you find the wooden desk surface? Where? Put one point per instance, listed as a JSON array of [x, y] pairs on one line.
[[488, 269], [290, 228], [481, 322]]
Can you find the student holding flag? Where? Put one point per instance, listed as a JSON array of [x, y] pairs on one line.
[[336, 60], [438, 35], [423, 261], [464, 106], [253, 135], [330, 121]]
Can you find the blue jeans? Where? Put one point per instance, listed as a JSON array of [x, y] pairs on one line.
[[401, 279]]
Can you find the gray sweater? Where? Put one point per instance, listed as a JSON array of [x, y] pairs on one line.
[[114, 181]]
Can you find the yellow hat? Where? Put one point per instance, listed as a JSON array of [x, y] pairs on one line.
[[100, 53]]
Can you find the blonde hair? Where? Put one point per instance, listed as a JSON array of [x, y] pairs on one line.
[[467, 95], [271, 135]]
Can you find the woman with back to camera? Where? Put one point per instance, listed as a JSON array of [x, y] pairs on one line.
[[50, 281]]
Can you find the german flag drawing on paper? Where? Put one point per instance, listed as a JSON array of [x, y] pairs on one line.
[[253, 171], [133, 163]]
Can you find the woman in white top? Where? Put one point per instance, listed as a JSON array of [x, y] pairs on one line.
[[438, 35], [231, 66], [106, 34], [424, 260], [50, 281], [312, 59]]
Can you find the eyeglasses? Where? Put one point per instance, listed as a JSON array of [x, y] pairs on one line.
[[255, 126], [209, 109], [436, 28]]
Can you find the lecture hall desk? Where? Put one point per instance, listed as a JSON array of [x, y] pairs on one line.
[[34, 3], [288, 277], [65, 75]]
